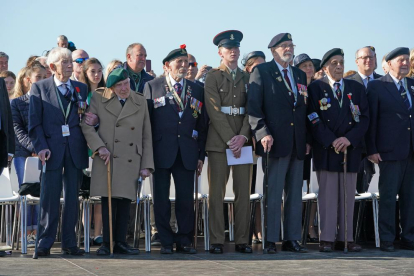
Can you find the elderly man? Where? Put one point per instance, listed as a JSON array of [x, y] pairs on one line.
[[125, 139], [136, 56], [193, 73], [226, 100], [277, 115], [78, 58], [62, 41], [389, 142], [384, 65], [7, 142], [179, 133], [4, 62], [58, 140], [338, 118]]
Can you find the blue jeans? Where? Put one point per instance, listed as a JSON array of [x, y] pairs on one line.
[[33, 210]]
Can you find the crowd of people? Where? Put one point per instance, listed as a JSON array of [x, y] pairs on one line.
[[293, 111]]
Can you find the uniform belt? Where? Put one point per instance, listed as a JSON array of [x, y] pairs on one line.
[[233, 110]]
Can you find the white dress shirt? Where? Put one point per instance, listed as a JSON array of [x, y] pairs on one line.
[[365, 78], [332, 82], [396, 81], [290, 75], [60, 87]]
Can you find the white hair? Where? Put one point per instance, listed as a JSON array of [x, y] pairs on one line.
[[57, 54]]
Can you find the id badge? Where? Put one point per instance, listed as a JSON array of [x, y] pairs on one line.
[[65, 130]]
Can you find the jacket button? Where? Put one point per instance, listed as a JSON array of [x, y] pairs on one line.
[[179, 136], [131, 144], [129, 160], [234, 86], [235, 96], [117, 125], [116, 140], [350, 123], [409, 128], [132, 128], [291, 124], [115, 156], [293, 109], [329, 120], [179, 123]]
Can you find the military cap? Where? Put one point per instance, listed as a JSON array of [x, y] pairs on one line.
[[180, 52], [298, 60], [331, 53], [279, 39], [228, 39], [252, 55], [397, 52], [117, 75], [317, 64]]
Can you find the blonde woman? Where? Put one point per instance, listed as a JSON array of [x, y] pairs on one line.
[[411, 73], [22, 85], [116, 63]]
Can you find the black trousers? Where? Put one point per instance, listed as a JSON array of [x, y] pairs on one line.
[[396, 178], [184, 203], [120, 218]]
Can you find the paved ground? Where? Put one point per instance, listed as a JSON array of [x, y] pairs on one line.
[[370, 261]]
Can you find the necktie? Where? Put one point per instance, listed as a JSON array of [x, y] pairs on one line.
[[404, 95], [368, 79], [233, 74], [288, 82], [68, 94], [178, 88], [338, 92], [122, 102]]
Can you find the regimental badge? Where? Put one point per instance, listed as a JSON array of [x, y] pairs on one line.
[[342, 51], [289, 36], [279, 78], [325, 103], [231, 37]]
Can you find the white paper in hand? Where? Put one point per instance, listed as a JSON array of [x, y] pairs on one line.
[[246, 156]]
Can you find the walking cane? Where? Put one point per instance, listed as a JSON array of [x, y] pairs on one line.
[[196, 209], [265, 184], [110, 210], [40, 204], [345, 205]]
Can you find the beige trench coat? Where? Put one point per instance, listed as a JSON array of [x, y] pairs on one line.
[[126, 133]]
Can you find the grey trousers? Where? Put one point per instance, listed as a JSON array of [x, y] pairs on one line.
[[285, 173], [331, 205]]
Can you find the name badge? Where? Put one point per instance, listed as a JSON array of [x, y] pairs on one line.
[[65, 130]]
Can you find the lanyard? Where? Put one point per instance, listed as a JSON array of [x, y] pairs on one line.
[[287, 85], [176, 98], [61, 106]]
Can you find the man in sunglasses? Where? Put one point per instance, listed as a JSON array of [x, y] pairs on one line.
[[193, 72], [78, 56]]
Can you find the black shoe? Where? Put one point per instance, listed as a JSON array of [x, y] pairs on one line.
[[125, 248], [73, 251], [155, 240], [103, 250], [257, 241], [166, 250], [216, 248], [313, 240], [407, 245], [186, 249], [43, 252], [270, 248], [387, 246], [293, 246], [2, 253], [243, 248]]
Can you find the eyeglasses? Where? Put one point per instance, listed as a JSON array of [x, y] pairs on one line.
[[366, 57], [80, 60], [284, 46], [194, 64]]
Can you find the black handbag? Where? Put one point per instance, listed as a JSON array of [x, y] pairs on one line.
[[32, 189]]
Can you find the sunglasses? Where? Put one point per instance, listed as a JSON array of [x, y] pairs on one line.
[[80, 60], [194, 64]]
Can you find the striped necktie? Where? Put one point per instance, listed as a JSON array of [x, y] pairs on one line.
[[403, 94]]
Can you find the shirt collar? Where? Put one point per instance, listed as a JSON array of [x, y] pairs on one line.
[[119, 98], [396, 81], [173, 82], [332, 82], [281, 67], [371, 77], [59, 83]]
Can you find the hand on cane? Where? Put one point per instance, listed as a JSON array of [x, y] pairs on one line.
[[267, 143], [144, 173], [104, 154]]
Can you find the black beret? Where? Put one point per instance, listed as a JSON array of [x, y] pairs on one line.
[[252, 55], [298, 60], [117, 75], [279, 39], [181, 52], [228, 39], [331, 53], [317, 64], [397, 52]]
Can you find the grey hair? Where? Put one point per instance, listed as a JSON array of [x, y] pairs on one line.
[[57, 54], [3, 54], [41, 58], [62, 38], [131, 46], [357, 52]]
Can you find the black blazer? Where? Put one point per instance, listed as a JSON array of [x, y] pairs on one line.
[[272, 111], [357, 77], [337, 122], [170, 133], [391, 130], [46, 120], [7, 142], [145, 77], [20, 113]]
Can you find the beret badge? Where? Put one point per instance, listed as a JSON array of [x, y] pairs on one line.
[[289, 36], [231, 37], [183, 48]]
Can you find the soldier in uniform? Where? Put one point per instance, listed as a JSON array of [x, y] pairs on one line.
[[179, 134], [226, 100], [338, 117]]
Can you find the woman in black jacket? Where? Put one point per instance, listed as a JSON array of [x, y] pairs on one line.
[[24, 147]]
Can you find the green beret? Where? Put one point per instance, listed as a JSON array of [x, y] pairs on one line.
[[181, 52], [331, 53], [119, 74]]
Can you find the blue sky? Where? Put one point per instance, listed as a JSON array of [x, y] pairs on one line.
[[105, 28]]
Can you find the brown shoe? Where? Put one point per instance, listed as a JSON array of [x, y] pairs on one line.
[[352, 247], [325, 246]]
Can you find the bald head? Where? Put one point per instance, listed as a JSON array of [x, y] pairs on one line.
[[192, 68], [77, 67]]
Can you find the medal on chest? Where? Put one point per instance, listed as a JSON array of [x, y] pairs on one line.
[[325, 103]]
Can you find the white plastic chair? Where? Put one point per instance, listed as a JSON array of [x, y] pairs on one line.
[[308, 197], [204, 190], [373, 189]]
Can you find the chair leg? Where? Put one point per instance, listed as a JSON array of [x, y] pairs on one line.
[[86, 227], [2, 224], [137, 230], [306, 222], [262, 209], [359, 220], [16, 208], [147, 225], [206, 231], [252, 220], [375, 215], [19, 229], [231, 221], [79, 226], [59, 235]]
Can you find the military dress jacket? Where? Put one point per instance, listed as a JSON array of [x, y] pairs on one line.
[[327, 123]]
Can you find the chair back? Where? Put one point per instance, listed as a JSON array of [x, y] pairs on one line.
[[31, 170], [373, 185], [5, 185], [259, 177], [314, 186], [14, 179]]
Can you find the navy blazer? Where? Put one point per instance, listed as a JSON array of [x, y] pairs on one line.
[[391, 132], [7, 143], [357, 77], [145, 77], [46, 120], [272, 111], [171, 133], [337, 122]]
